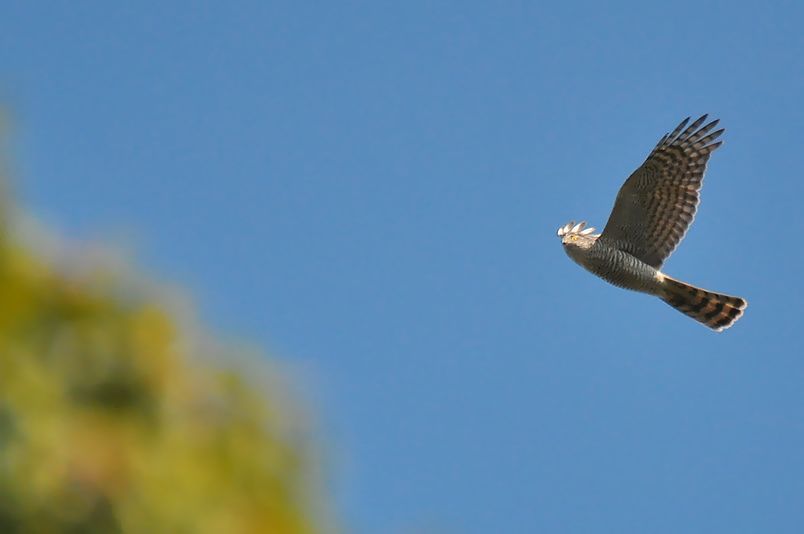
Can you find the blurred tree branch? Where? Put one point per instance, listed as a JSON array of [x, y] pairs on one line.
[[110, 422]]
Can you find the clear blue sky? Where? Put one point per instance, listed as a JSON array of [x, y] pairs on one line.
[[371, 190]]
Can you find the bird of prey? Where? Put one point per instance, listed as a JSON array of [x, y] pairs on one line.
[[651, 215]]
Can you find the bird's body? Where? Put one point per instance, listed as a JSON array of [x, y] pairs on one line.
[[651, 215], [617, 267]]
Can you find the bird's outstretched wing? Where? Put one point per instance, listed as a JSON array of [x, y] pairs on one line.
[[657, 204]]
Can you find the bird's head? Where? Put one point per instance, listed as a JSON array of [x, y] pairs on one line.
[[577, 235]]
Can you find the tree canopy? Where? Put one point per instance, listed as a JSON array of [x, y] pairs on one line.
[[112, 418]]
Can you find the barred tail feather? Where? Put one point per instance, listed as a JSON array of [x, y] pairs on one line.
[[714, 310]]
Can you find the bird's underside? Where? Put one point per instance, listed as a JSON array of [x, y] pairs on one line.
[[653, 211]]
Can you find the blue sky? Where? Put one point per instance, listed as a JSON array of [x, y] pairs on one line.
[[371, 190]]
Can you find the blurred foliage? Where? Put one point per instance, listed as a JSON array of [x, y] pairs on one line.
[[109, 421]]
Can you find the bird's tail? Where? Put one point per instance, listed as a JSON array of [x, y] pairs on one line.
[[714, 310]]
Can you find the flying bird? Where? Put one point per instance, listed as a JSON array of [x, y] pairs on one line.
[[653, 211]]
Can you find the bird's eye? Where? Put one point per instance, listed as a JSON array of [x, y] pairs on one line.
[[574, 238]]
